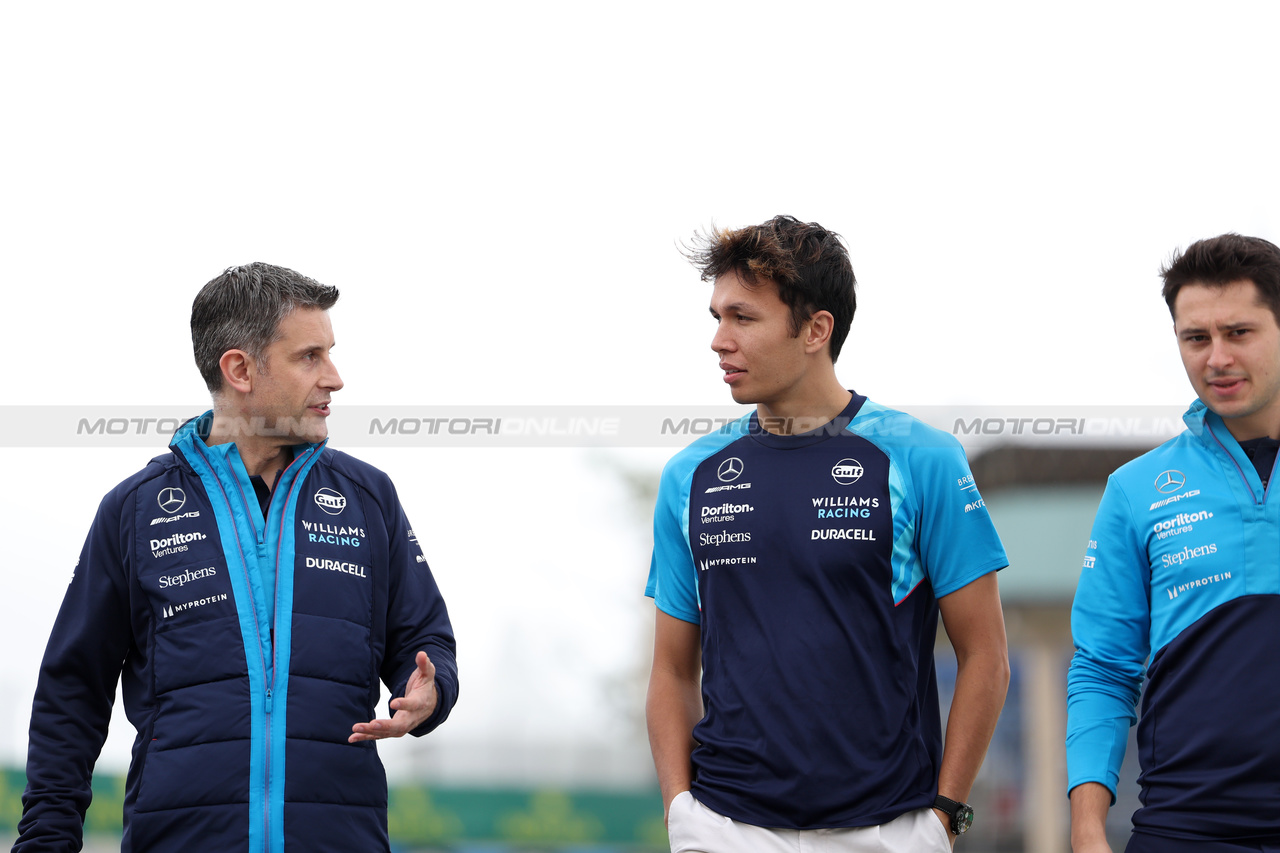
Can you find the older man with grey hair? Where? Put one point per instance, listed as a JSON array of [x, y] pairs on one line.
[[249, 589]]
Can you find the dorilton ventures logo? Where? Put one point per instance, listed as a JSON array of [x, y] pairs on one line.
[[330, 501], [171, 500], [724, 512], [729, 470], [175, 543], [1170, 481]]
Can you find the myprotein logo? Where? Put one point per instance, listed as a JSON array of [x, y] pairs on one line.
[[1175, 591], [174, 609], [330, 501], [726, 561], [846, 472], [1170, 481]]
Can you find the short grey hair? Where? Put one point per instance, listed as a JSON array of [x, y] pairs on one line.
[[242, 309]]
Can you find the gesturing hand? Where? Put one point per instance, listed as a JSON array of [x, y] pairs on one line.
[[411, 709]]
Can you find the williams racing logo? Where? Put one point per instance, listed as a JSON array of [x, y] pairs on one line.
[[845, 506], [330, 501], [332, 534]]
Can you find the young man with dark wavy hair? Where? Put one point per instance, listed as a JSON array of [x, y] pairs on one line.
[[801, 558]]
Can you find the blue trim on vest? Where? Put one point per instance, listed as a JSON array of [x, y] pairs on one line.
[[240, 521], [280, 553]]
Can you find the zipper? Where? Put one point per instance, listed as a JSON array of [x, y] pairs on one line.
[[266, 815], [1265, 490], [260, 532], [275, 612]]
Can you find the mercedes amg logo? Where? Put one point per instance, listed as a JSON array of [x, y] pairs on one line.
[[171, 499], [1170, 481], [729, 470]]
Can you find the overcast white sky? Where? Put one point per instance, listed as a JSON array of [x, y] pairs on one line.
[[497, 189]]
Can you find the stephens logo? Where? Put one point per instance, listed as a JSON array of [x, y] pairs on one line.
[[722, 538], [186, 577], [171, 500], [846, 472], [330, 501], [729, 470], [1186, 554], [1170, 481]]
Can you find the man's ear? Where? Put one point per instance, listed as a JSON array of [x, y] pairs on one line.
[[817, 331], [237, 370]]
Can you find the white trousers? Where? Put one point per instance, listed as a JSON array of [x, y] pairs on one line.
[[694, 828]]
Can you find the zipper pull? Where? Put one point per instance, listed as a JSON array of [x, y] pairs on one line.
[[268, 700]]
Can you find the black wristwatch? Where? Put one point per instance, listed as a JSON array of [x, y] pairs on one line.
[[961, 814]]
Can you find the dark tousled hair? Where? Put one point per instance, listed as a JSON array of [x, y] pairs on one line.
[[242, 309], [1222, 260], [809, 264]]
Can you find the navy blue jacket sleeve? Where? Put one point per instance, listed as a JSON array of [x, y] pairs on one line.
[[76, 688], [416, 620]]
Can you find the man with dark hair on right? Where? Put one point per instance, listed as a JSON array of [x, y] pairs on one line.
[[801, 558], [1181, 583]]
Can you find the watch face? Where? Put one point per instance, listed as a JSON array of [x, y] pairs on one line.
[[962, 821]]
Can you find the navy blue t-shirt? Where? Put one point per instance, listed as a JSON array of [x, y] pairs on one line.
[[812, 564]]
